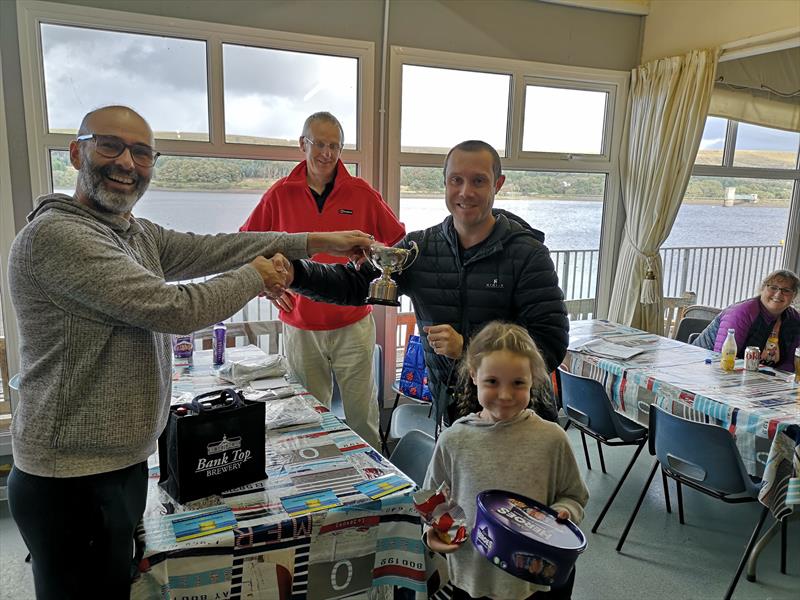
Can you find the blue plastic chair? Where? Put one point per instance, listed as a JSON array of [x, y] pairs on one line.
[[690, 326], [703, 457], [589, 410], [413, 454], [410, 417]]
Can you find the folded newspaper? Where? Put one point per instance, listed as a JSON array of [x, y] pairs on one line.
[[605, 349]]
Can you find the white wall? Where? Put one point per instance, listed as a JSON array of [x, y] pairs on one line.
[[675, 27]]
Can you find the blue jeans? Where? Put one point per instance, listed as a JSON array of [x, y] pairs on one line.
[[79, 530]]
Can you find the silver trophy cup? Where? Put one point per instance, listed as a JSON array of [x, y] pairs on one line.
[[383, 290]]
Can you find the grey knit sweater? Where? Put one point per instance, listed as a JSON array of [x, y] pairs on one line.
[[95, 313], [526, 455]]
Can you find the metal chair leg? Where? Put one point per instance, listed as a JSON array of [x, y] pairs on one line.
[[617, 488], [666, 490], [638, 505], [586, 451], [784, 534], [384, 435], [746, 554], [602, 460], [680, 501]]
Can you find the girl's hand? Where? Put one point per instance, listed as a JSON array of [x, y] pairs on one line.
[[436, 544], [563, 515]]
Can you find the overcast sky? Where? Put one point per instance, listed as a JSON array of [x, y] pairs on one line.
[[269, 93]]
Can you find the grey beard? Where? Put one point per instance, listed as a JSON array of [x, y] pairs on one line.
[[90, 178]]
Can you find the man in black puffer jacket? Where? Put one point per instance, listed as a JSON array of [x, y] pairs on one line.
[[479, 265]]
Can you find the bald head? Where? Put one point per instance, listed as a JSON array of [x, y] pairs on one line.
[[107, 182], [121, 121]]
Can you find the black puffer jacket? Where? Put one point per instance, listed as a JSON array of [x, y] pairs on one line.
[[508, 277]]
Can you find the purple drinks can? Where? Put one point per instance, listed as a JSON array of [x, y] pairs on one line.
[[182, 345], [218, 343], [752, 356]]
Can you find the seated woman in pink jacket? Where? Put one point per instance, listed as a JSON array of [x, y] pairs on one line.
[[768, 321]]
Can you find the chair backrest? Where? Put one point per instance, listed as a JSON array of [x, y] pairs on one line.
[[674, 308], [413, 454], [585, 401], [703, 453], [689, 326], [267, 335], [700, 311], [580, 309]]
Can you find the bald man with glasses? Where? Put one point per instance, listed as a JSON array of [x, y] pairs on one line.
[[322, 340], [88, 282]]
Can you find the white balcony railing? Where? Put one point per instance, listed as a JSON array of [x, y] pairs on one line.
[[719, 275]]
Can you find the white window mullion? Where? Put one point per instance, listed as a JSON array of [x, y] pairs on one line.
[[216, 93]]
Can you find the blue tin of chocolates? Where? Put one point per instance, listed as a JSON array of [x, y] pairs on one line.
[[523, 537]]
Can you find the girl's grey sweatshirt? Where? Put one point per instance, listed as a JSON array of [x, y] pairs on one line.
[[525, 455], [95, 311]]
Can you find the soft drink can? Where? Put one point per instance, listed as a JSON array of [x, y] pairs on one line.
[[752, 356]]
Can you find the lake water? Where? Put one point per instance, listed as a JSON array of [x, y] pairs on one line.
[[568, 225]]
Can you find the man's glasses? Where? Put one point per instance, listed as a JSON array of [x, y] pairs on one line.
[[784, 291], [334, 146], [111, 146]]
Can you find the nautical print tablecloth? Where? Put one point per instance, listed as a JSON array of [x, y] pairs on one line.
[[369, 535], [759, 409]]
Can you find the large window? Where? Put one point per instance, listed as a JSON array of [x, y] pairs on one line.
[[732, 226], [557, 129], [226, 104]]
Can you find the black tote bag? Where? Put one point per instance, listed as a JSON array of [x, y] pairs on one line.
[[217, 445]]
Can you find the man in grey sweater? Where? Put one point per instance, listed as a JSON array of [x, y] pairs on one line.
[[89, 286]]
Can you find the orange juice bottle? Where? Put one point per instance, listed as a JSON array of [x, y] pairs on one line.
[[729, 352]]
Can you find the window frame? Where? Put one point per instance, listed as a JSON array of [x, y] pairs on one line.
[[583, 86], [614, 82], [32, 13], [791, 250]]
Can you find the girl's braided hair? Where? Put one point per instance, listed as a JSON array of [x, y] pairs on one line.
[[494, 337]]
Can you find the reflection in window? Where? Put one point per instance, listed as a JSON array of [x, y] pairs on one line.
[[442, 107], [269, 93], [564, 120], [162, 78], [712, 143], [765, 147]]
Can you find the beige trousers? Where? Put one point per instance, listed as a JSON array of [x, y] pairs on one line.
[[314, 356]]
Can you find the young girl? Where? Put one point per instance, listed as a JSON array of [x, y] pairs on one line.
[[499, 443]]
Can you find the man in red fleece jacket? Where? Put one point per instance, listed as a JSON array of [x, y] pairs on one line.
[[321, 339]]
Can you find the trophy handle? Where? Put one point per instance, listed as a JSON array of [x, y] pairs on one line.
[[415, 250]]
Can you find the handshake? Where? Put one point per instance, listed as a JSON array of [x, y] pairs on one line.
[[277, 272]]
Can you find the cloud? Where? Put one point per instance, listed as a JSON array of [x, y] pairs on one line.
[[268, 93]]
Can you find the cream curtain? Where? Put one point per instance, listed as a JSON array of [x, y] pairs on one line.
[[664, 124]]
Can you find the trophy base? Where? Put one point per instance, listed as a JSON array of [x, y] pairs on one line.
[[383, 291], [382, 301]]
